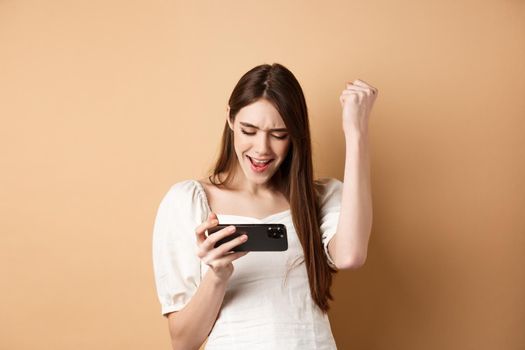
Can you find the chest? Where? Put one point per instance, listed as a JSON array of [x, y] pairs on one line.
[[232, 203]]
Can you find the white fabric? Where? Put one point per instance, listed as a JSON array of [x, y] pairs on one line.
[[267, 304]]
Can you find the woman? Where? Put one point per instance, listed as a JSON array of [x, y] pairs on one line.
[[264, 174]]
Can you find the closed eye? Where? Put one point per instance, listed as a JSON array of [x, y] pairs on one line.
[[279, 137]]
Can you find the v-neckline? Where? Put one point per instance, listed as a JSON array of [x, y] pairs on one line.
[[205, 197]]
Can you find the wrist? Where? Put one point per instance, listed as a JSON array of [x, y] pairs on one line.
[[355, 130], [217, 280], [353, 137]]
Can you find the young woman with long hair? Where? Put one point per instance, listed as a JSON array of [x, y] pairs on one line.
[[264, 174]]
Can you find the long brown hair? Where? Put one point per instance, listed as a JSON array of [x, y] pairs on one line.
[[294, 177]]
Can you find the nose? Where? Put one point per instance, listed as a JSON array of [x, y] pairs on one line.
[[262, 145]]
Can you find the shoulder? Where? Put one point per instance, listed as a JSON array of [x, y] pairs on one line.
[[183, 194], [184, 187], [329, 190]]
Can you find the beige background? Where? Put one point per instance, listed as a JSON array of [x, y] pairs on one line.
[[105, 104]]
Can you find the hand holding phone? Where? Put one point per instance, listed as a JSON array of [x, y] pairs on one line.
[[219, 258]]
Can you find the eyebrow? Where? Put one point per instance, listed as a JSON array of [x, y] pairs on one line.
[[253, 126]]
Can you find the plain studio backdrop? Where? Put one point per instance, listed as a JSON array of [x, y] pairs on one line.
[[105, 104]]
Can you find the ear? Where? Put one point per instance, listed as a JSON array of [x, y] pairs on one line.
[[228, 117]]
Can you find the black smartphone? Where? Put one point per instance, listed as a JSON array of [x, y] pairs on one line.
[[261, 237]]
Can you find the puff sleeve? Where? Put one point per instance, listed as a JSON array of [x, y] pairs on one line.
[[177, 269], [330, 204]]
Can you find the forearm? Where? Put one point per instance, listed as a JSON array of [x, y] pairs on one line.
[[190, 326], [350, 244]]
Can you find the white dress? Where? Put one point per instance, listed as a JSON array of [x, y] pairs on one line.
[[267, 304]]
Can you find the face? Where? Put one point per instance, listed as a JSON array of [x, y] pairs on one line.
[[261, 140]]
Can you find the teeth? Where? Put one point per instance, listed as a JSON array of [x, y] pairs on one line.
[[256, 161]]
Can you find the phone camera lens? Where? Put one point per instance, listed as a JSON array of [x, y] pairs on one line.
[[273, 233]]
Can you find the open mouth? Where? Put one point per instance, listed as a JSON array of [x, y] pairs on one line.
[[259, 165]]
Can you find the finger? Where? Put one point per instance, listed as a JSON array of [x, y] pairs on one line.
[[200, 231], [354, 96], [356, 88], [234, 256], [217, 236], [206, 224], [227, 259], [360, 82], [365, 89], [200, 234], [355, 93], [227, 247]]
